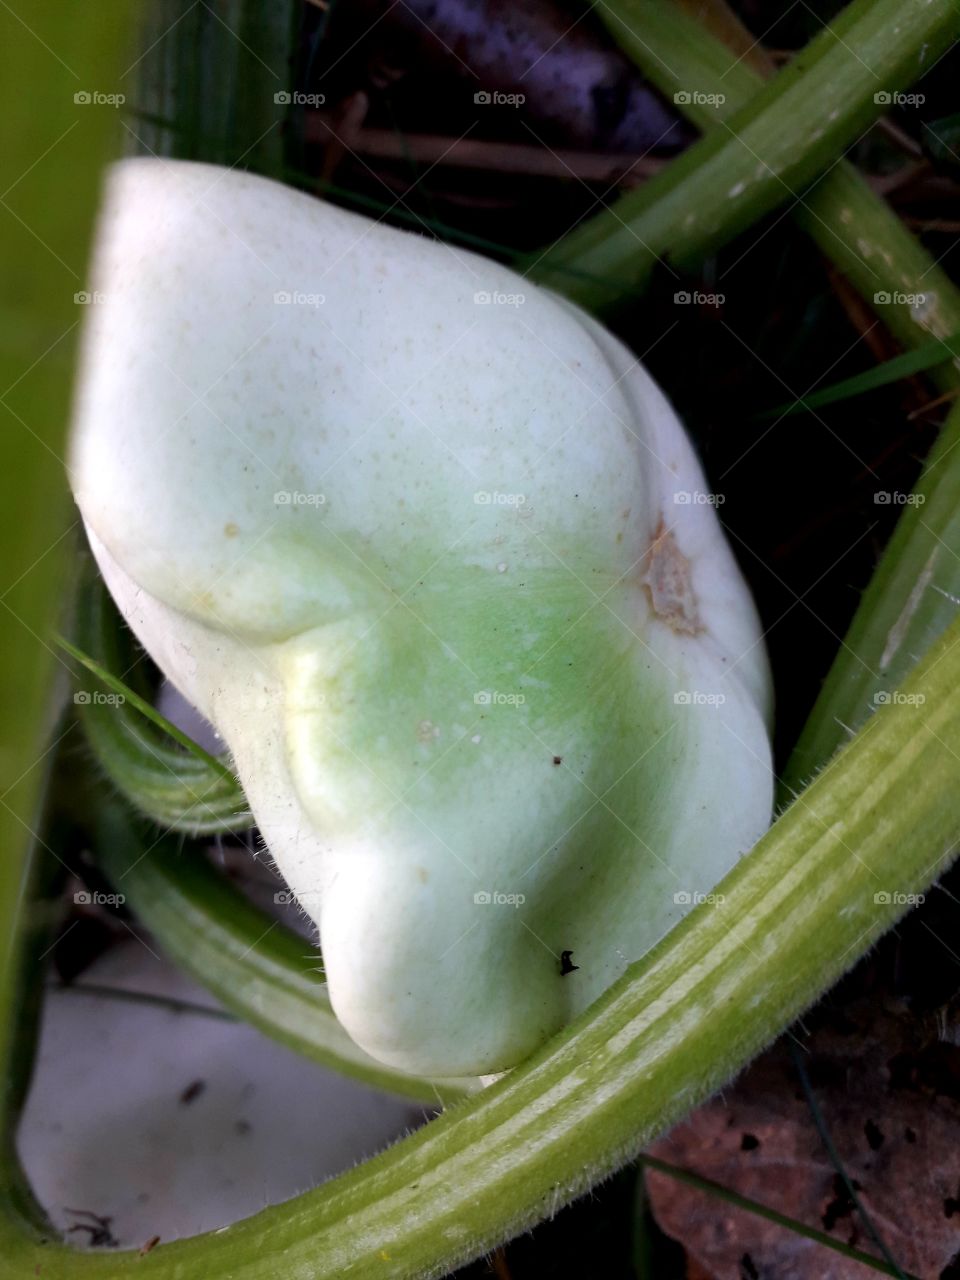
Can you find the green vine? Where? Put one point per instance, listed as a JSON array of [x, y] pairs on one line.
[[851, 224], [769, 150]]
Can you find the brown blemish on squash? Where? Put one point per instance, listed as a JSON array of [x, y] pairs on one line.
[[668, 584], [230, 530]]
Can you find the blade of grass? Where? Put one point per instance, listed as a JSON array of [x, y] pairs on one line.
[[927, 356], [116, 685], [445, 231], [837, 1163], [729, 1196]]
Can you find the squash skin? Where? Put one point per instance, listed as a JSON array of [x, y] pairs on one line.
[[420, 559]]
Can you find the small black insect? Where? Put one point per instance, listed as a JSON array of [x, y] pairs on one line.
[[566, 964]]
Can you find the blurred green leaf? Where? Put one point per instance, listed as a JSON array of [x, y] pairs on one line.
[[61, 69]]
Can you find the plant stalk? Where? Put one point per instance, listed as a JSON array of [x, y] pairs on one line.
[[779, 137], [850, 223]]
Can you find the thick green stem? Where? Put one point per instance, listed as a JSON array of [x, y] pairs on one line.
[[828, 879], [763, 156], [851, 224], [214, 81]]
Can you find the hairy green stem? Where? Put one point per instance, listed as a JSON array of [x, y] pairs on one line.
[[769, 150], [828, 879]]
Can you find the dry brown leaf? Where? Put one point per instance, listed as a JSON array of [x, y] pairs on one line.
[[889, 1091]]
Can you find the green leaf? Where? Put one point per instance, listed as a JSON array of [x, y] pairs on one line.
[[54, 147]]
